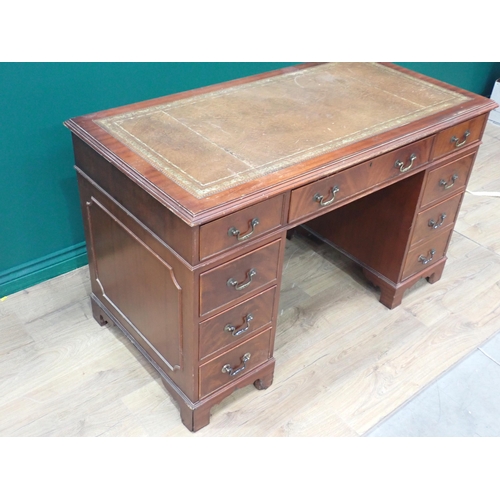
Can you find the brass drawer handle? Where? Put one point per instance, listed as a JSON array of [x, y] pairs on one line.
[[447, 185], [241, 237], [319, 198], [455, 139], [232, 372], [241, 286], [401, 165], [241, 329], [434, 224], [425, 260]]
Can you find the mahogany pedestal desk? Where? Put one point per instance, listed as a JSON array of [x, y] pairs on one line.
[[187, 200]]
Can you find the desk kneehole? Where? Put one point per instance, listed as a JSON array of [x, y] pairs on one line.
[[328, 192]]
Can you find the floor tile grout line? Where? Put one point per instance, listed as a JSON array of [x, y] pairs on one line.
[[455, 230], [449, 372], [488, 356]]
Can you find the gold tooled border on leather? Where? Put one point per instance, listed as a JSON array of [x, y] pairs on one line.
[[249, 171]]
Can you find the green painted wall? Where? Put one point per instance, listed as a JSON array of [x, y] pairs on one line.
[[477, 77], [41, 232]]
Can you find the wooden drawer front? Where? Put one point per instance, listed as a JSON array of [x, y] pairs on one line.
[[436, 219], [459, 136], [232, 365], [447, 180], [239, 278], [318, 196], [239, 322], [239, 227], [427, 253]]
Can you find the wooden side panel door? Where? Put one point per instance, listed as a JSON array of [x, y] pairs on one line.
[[138, 284]]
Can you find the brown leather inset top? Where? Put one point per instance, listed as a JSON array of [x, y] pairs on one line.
[[215, 141]]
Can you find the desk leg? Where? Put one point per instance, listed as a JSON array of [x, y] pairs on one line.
[[390, 295], [437, 273], [195, 419], [196, 415], [265, 379], [99, 314]]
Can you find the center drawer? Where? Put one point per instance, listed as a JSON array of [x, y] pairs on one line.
[[239, 278], [319, 196]]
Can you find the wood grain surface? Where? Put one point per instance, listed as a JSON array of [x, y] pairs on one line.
[[344, 361]]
